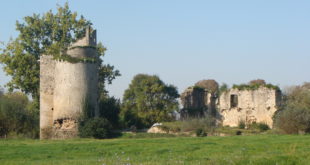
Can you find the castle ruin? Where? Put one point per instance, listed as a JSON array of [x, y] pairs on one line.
[[67, 88], [234, 105], [197, 102]]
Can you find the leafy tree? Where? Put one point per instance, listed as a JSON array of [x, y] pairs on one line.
[[210, 85], [45, 34], [223, 88], [109, 108], [148, 100], [1, 91], [294, 116], [17, 115], [107, 74]]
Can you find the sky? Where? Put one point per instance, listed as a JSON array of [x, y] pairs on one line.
[[183, 42]]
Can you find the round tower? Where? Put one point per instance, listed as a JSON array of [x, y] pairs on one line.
[[76, 86]]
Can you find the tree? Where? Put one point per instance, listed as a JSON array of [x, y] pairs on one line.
[[210, 85], [148, 100], [109, 108], [223, 88], [294, 116], [45, 34], [17, 115], [257, 82], [1, 91]]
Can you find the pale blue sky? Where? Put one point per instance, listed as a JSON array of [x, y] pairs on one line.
[[186, 41]]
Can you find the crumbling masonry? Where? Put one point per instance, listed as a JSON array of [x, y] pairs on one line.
[[67, 88], [233, 105]]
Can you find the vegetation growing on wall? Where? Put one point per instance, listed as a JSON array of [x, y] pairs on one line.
[[210, 85], [70, 59], [223, 88], [254, 85], [197, 88]]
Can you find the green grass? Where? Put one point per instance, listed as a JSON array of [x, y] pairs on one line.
[[258, 149]]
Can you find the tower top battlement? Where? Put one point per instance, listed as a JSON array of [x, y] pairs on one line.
[[90, 38]]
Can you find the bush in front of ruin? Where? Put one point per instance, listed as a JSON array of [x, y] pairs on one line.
[[205, 124], [201, 132], [241, 124], [260, 126], [99, 128], [109, 108]]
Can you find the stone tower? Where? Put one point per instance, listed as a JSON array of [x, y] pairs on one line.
[[68, 88]]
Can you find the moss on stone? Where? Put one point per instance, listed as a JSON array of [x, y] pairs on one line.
[[70, 59], [254, 86]]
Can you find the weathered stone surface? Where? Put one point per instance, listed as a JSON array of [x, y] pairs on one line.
[[66, 89], [47, 85], [197, 102], [234, 105], [194, 98], [156, 129], [65, 128], [252, 106]]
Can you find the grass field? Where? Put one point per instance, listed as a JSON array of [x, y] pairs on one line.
[[258, 149]]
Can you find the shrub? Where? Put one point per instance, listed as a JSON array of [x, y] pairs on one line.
[[238, 132], [98, 128], [294, 116], [171, 126], [206, 123], [133, 129], [200, 132], [263, 127], [18, 116], [260, 126], [293, 121], [128, 119], [109, 108], [241, 124], [164, 128], [175, 129]]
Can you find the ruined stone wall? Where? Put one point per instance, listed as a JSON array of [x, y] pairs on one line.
[[47, 66], [194, 98], [67, 89], [197, 102], [252, 106]]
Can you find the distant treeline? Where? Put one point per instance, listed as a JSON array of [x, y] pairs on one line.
[[18, 116]]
